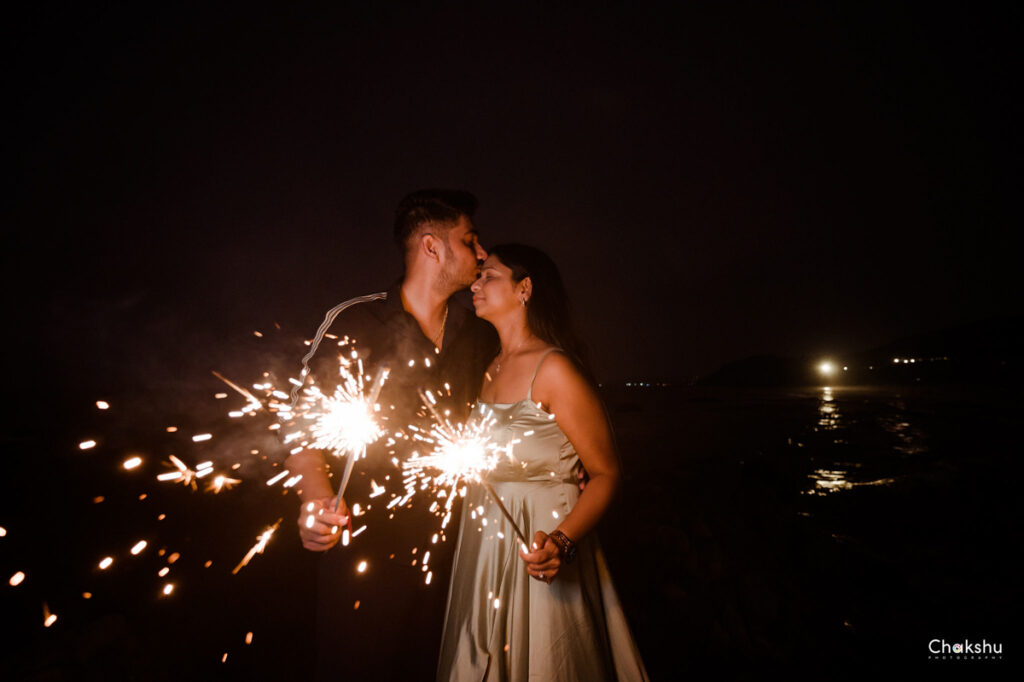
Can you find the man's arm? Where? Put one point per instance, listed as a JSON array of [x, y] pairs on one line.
[[319, 524]]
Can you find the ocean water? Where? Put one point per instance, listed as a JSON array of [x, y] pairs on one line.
[[816, 526]]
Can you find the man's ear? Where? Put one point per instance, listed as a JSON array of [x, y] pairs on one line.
[[431, 246]]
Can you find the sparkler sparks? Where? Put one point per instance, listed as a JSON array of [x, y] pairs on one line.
[[343, 422], [460, 453], [182, 475], [261, 544], [221, 482]]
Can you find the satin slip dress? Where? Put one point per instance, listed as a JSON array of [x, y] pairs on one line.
[[500, 623]]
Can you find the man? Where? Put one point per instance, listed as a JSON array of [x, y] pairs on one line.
[[383, 622]]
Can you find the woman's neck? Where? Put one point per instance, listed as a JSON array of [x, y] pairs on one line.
[[513, 334]]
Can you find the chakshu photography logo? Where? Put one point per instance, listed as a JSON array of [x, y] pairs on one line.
[[965, 650]]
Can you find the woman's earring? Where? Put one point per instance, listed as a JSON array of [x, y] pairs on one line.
[[523, 301]]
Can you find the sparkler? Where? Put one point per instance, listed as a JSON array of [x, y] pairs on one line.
[[460, 453], [345, 423]]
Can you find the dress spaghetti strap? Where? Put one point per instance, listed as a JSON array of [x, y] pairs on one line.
[[549, 351]]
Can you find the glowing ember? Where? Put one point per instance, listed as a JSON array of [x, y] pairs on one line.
[[87, 445], [248, 638], [361, 568], [3, 532], [172, 429], [198, 438], [106, 562], [132, 462], [48, 618], [277, 478], [221, 482], [17, 578], [103, 404], [87, 595], [261, 544], [182, 473], [138, 547], [168, 588]]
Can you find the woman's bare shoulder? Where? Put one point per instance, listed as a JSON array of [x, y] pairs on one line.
[[558, 375]]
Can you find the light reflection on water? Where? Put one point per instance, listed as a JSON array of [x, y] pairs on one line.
[[845, 475], [828, 411]]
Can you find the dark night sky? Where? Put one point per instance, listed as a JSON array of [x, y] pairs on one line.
[[714, 183]]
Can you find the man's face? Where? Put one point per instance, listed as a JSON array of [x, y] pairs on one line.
[[462, 255]]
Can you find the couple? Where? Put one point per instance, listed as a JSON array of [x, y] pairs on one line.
[[548, 613]]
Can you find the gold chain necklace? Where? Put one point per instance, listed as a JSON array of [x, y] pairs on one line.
[[497, 366], [439, 337]]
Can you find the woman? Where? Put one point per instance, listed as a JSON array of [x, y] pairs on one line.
[[550, 613]]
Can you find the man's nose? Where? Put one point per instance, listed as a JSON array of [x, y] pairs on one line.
[[481, 254]]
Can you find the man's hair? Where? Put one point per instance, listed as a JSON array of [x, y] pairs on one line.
[[439, 206]]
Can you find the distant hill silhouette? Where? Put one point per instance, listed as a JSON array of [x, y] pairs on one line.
[[987, 351]]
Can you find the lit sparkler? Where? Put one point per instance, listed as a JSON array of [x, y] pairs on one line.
[[344, 423], [460, 453]]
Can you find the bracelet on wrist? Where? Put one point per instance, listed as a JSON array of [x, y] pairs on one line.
[[567, 548]]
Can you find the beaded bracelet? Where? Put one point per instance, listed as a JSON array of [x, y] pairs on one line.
[[567, 546]]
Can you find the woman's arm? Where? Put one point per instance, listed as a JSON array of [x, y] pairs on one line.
[[579, 414]]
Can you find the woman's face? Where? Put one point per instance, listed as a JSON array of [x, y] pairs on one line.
[[494, 292]]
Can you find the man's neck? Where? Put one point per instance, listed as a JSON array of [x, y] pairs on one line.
[[426, 303]]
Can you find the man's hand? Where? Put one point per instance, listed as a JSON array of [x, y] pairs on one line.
[[545, 559], [319, 525]]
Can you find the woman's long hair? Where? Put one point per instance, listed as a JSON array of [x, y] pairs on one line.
[[547, 310]]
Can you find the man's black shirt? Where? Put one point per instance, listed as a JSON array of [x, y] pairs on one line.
[[385, 622]]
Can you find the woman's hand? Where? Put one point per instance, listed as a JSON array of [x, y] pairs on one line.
[[545, 560], [320, 525]]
